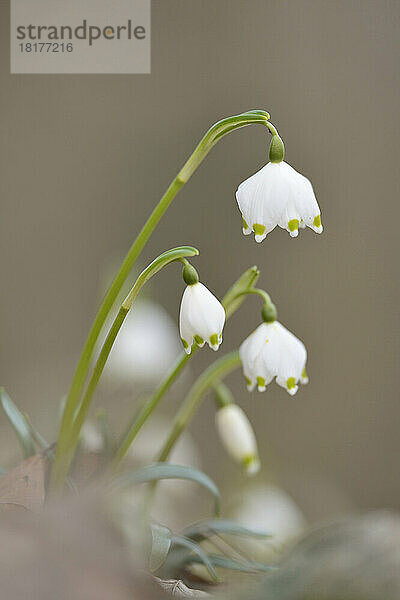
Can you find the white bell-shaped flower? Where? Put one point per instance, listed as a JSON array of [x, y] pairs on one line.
[[238, 437], [201, 319], [273, 351], [277, 195]]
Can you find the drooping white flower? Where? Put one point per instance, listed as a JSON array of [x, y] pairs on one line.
[[273, 351], [238, 437], [201, 319], [277, 195]]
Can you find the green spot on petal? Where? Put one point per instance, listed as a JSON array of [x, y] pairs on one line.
[[317, 221], [199, 340], [291, 383], [251, 464], [214, 339], [248, 381], [260, 381], [245, 226], [185, 344], [304, 373], [258, 229], [293, 224]]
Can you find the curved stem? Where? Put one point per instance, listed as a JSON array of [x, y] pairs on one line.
[[259, 292], [217, 131], [66, 446], [231, 303], [216, 371]]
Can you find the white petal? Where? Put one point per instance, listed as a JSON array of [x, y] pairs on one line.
[[255, 371]]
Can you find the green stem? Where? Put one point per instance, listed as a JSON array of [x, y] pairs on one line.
[[67, 445], [218, 370], [231, 302], [215, 133], [223, 395], [149, 406], [269, 312]]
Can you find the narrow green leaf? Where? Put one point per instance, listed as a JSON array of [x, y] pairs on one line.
[[206, 529], [234, 565], [19, 424], [36, 436], [234, 296], [161, 538], [163, 470], [197, 551]]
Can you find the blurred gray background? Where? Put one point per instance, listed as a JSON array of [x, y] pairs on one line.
[[84, 158]]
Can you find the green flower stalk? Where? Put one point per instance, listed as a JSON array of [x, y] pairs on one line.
[[218, 370]]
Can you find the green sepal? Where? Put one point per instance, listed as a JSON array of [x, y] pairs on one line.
[[269, 313], [190, 275], [276, 149]]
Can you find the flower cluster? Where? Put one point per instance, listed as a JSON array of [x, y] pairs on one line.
[[277, 195]]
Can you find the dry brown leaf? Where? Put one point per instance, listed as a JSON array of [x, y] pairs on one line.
[[24, 486]]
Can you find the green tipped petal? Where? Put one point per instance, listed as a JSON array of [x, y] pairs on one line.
[[261, 383], [214, 341], [258, 228], [291, 383]]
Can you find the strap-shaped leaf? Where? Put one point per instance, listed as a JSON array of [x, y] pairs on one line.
[[19, 424], [208, 528], [161, 538], [194, 551], [36, 436], [223, 562], [163, 470]]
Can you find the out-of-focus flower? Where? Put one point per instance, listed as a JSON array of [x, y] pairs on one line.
[[269, 508], [202, 318], [273, 351], [91, 439], [277, 195], [146, 347], [238, 437]]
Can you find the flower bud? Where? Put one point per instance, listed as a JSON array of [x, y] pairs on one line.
[[238, 437]]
